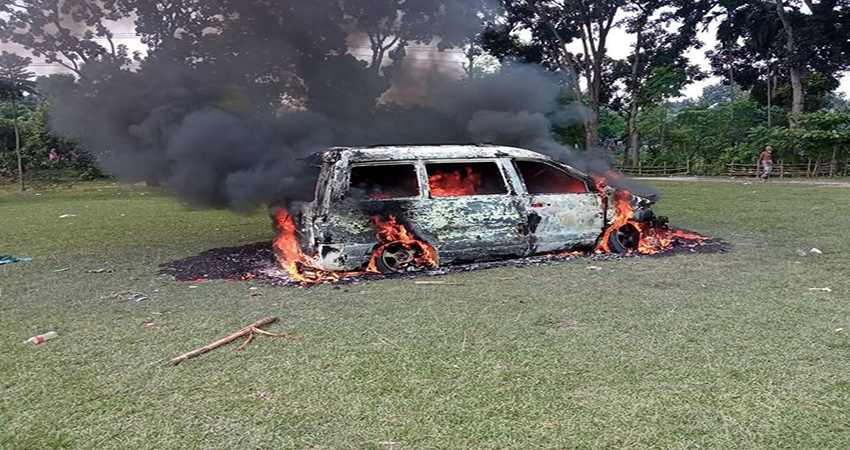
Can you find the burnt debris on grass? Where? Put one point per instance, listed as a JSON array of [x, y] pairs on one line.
[[257, 262]]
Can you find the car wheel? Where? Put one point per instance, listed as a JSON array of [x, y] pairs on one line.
[[624, 239], [395, 257]]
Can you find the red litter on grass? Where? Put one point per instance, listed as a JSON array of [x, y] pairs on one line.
[[41, 338]]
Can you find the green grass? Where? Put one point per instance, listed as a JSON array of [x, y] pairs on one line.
[[695, 351]]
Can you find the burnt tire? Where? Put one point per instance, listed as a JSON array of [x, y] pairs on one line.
[[624, 239], [395, 257]]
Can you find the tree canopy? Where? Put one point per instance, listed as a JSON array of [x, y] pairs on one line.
[[347, 61]]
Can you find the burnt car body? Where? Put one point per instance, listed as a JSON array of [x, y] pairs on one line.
[[470, 202]]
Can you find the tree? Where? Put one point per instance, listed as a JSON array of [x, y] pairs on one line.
[[63, 32], [837, 102], [595, 19], [657, 66], [822, 137], [717, 94], [171, 25], [554, 25], [704, 134], [391, 25], [327, 56], [797, 68], [761, 39], [16, 81]]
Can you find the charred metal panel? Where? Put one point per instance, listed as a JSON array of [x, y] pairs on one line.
[[428, 152], [332, 257], [566, 220], [470, 227]]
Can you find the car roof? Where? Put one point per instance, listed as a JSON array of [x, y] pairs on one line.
[[408, 152]]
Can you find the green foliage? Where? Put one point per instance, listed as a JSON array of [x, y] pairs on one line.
[[753, 46], [699, 133], [718, 94], [15, 78], [612, 126], [37, 140], [736, 131], [826, 120], [824, 135]]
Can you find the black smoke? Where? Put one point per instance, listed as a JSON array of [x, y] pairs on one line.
[[206, 127]]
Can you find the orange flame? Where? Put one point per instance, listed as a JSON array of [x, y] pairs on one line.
[[391, 232], [301, 268], [455, 184], [305, 269], [623, 215], [653, 240]]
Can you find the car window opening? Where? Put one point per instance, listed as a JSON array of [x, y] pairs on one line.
[[384, 182], [464, 179], [545, 179]]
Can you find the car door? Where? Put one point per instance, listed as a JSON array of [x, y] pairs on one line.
[[360, 193], [471, 212], [562, 211]]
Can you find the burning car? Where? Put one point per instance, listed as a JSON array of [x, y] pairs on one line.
[[384, 209]]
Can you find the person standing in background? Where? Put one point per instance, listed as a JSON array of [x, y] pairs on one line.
[[766, 162]]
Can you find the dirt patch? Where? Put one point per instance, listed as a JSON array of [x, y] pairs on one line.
[[230, 263], [257, 261]]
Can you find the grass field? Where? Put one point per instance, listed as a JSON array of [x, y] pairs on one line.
[[724, 351]]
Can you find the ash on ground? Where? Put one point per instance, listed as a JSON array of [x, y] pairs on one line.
[[257, 262]]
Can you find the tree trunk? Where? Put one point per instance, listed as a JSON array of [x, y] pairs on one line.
[[797, 72], [769, 100], [594, 57], [798, 88], [593, 127], [567, 63], [593, 120], [634, 138], [18, 143]]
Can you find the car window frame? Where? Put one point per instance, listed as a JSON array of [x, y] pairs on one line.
[[524, 186], [417, 175], [506, 182]]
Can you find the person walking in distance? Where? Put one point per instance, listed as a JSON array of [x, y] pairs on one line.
[[766, 162]]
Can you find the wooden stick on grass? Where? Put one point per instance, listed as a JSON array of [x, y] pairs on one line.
[[250, 331]]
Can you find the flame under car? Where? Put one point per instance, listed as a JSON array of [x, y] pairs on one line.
[[452, 204]]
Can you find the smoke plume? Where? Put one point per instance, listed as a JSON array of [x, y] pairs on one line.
[[231, 128]]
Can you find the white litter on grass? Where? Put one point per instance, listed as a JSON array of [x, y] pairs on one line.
[[839, 330], [815, 251], [193, 287], [594, 268], [826, 289], [67, 216]]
